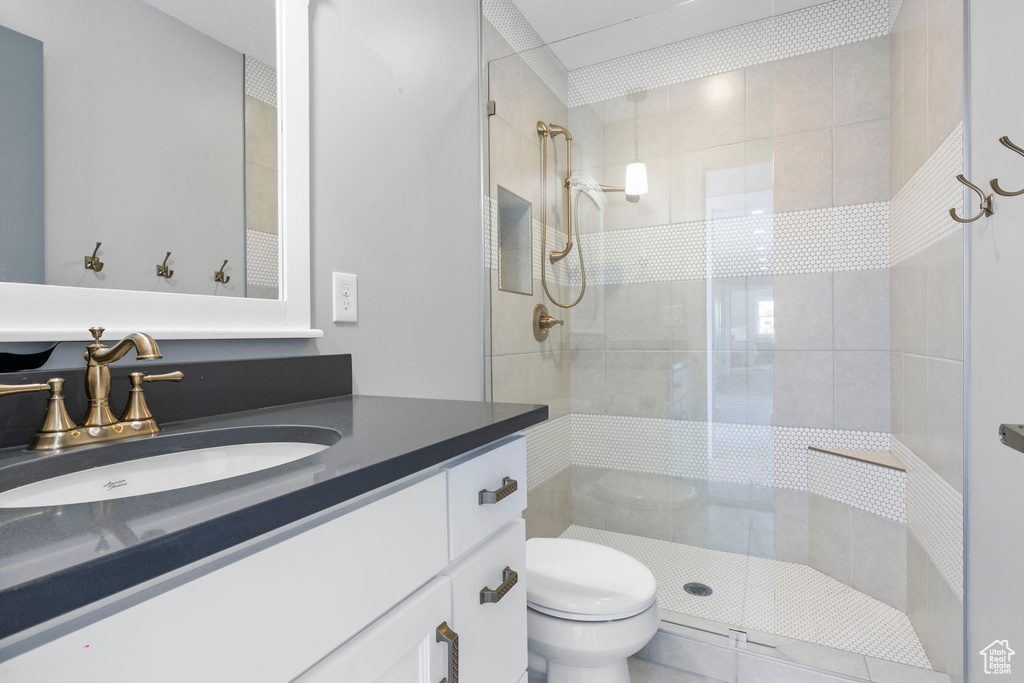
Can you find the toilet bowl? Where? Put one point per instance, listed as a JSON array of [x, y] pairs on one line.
[[589, 607]]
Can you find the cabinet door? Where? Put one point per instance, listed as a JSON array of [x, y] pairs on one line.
[[401, 647], [492, 624]]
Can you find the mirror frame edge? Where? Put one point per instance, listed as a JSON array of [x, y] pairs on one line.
[[51, 313]]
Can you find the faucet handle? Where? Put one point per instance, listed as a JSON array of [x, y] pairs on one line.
[[57, 418], [137, 410], [96, 332]]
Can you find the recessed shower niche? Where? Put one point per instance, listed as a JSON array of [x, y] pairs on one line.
[[515, 239]]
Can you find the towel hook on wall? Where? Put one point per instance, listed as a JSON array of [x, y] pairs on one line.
[[93, 262], [219, 275], [986, 202], [164, 270], [1007, 143]]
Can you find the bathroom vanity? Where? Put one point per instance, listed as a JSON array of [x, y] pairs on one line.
[[392, 554]]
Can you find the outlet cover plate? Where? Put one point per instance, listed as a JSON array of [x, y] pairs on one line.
[[346, 308]]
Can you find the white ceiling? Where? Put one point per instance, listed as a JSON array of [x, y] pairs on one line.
[[249, 26], [584, 32]]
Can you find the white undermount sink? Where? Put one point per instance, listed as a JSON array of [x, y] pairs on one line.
[[157, 473]]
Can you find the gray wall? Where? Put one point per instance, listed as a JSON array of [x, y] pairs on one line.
[[144, 145], [396, 199], [21, 158]]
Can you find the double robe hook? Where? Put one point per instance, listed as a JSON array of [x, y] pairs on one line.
[[986, 202], [1007, 143], [164, 270]]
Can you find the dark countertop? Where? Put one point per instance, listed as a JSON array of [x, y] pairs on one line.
[[55, 560]]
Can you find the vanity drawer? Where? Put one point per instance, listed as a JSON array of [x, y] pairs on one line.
[[269, 616], [492, 633], [485, 490]]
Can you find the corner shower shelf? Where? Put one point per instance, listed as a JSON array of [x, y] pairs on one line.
[[882, 458]]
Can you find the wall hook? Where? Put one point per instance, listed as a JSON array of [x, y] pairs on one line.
[[986, 202], [164, 270], [1007, 143], [219, 275], [93, 262]]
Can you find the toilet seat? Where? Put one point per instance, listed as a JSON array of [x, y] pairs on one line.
[[582, 581]]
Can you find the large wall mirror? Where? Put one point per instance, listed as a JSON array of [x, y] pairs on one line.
[[154, 168]]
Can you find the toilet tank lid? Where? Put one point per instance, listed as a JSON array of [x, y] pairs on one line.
[[586, 579]]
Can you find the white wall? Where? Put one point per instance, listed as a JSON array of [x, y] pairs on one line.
[[144, 145], [396, 191], [996, 473]]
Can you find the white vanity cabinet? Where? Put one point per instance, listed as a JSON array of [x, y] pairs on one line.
[[367, 592]]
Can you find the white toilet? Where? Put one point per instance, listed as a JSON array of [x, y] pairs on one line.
[[589, 608]]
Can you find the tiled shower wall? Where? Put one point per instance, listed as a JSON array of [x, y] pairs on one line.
[[927, 255], [261, 230]]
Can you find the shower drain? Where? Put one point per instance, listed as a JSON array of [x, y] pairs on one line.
[[697, 589]]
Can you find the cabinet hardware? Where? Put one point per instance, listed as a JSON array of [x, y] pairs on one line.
[[447, 635], [509, 579], [508, 487], [986, 202]]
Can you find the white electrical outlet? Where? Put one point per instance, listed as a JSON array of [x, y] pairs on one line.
[[345, 298]]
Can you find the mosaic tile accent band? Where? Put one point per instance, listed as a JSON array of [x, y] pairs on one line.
[[260, 81], [814, 241], [547, 450], [935, 512], [790, 600], [759, 455], [261, 260], [507, 20], [820, 27], [919, 213]]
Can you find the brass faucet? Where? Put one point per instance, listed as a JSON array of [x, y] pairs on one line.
[[59, 430]]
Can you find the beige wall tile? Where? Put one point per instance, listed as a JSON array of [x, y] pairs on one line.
[[638, 316], [509, 320], [760, 117], [504, 77], [804, 317], [587, 318], [689, 315], [260, 133], [708, 183], [804, 390], [624, 120], [945, 452], [830, 537], [897, 171], [637, 383], [862, 310], [708, 112], [945, 69], [896, 391], [915, 120], [896, 61], [915, 405], [915, 34], [260, 199], [791, 526], [880, 558], [945, 297], [862, 391], [803, 171], [587, 378], [802, 93], [587, 127], [862, 81], [538, 103], [688, 398], [760, 175], [862, 163]]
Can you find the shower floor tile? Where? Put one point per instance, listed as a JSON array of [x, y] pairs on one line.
[[781, 598]]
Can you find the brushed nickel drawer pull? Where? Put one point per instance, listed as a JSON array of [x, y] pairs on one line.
[[508, 487], [446, 634], [509, 579]]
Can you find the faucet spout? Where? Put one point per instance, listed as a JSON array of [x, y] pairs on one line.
[[97, 375], [145, 348]]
